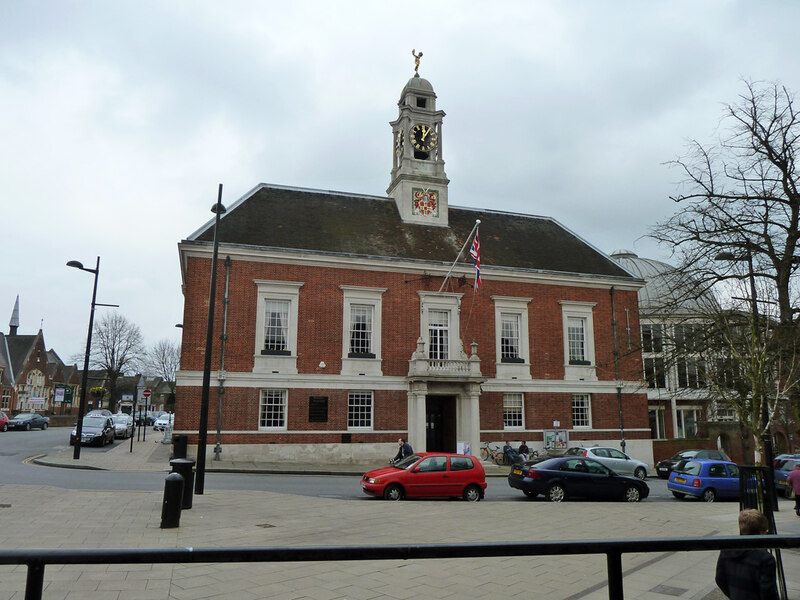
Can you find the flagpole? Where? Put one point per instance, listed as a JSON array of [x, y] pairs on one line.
[[477, 222]]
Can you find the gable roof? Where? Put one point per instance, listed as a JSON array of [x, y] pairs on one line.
[[299, 219]]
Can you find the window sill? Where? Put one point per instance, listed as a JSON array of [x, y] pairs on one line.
[[276, 353]]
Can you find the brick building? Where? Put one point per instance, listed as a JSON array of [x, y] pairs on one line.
[[348, 321]]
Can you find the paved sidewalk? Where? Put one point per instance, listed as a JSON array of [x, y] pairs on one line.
[[57, 518]]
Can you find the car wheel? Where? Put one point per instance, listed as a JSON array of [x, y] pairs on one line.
[[27, 427], [530, 494], [44, 426], [678, 495], [632, 494], [640, 473], [393, 492], [709, 495], [5, 426], [556, 493], [472, 493]]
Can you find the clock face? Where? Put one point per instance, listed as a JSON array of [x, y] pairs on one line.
[[423, 137], [425, 202], [398, 141]]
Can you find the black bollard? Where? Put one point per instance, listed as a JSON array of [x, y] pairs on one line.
[[179, 446], [184, 467], [173, 499]]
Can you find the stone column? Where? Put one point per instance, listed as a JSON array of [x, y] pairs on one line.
[[417, 391]]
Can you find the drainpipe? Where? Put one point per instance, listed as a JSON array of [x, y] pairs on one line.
[[616, 370]]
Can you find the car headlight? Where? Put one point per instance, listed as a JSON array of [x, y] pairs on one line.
[[373, 480]]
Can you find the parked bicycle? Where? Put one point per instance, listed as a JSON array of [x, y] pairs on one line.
[[493, 453]]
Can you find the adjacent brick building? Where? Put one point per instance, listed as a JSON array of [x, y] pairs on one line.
[[348, 321]]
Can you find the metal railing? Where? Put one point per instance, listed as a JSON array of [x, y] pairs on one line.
[[37, 559]]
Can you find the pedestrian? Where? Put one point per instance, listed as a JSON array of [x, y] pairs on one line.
[[523, 450], [748, 574], [403, 451], [511, 454], [794, 481]]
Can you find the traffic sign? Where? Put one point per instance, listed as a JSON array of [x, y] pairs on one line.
[[146, 393]]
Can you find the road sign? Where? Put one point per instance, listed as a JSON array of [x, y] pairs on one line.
[[146, 393]]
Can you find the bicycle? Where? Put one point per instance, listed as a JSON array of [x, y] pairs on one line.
[[493, 453]]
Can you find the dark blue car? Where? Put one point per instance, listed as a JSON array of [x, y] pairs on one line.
[[706, 479]]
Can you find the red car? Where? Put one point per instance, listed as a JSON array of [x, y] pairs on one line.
[[3, 421], [428, 475]]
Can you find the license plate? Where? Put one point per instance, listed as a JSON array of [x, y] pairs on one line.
[[517, 472], [363, 485], [783, 482], [680, 480]]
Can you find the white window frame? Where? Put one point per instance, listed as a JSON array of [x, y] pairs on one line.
[[364, 296], [447, 302], [276, 290], [5, 402], [506, 305], [513, 405], [583, 311], [284, 397], [350, 404], [680, 419], [587, 408], [660, 413]]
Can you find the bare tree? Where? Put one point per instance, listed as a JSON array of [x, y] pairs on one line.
[[117, 349], [742, 203], [162, 360]]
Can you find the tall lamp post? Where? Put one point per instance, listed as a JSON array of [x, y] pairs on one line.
[[770, 501], [76, 454], [202, 434]]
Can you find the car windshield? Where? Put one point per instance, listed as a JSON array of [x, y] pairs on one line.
[[121, 420], [684, 454], [24, 417], [94, 421], [407, 461]]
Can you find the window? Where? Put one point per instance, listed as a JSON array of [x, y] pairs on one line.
[[359, 410], [652, 338], [657, 423], [509, 338], [511, 335], [654, 372], [687, 422], [276, 326], [576, 335], [276, 330], [272, 409], [461, 463], [691, 372], [439, 334], [6, 399], [578, 340], [439, 326], [512, 411], [361, 331], [433, 464], [581, 412]]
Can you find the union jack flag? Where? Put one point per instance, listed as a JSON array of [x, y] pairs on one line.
[[475, 253]]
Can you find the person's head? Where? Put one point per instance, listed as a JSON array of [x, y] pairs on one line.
[[797, 465], [752, 522], [523, 443], [400, 442]]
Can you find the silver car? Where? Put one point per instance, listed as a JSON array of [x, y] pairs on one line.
[[123, 426], [614, 459]]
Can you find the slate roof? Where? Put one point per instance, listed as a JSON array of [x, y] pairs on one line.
[[299, 219]]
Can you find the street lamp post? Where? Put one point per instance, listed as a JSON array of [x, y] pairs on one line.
[[76, 453], [202, 434], [770, 500]]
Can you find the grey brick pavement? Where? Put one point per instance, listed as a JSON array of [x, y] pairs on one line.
[[59, 518]]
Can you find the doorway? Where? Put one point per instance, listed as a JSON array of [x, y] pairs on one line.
[[440, 423]]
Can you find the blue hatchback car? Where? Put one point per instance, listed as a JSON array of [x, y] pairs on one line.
[[782, 469], [707, 479]]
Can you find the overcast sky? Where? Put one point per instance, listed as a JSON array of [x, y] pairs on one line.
[[119, 119]]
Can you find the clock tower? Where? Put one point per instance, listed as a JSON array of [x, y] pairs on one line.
[[419, 183]]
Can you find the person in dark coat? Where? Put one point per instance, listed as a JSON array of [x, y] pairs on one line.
[[747, 574], [403, 451], [794, 481]]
